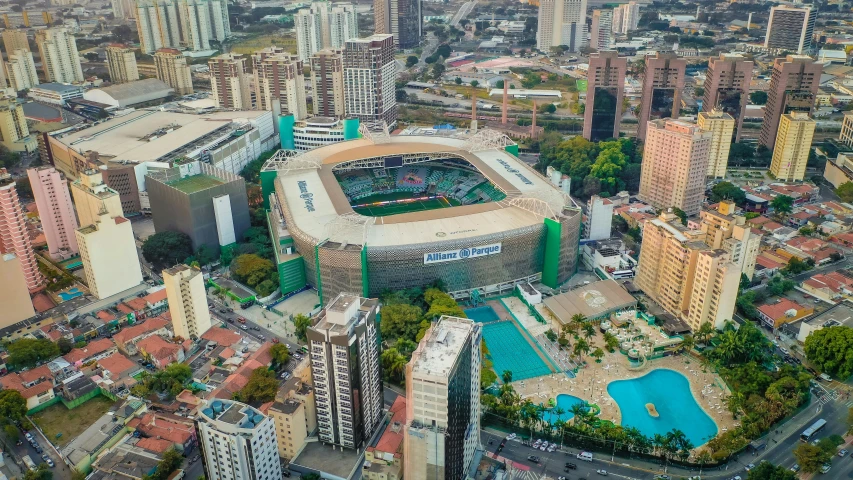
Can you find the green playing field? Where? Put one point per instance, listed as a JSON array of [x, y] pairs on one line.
[[406, 207]]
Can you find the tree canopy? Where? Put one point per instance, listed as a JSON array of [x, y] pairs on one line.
[[831, 350], [301, 323], [167, 248], [758, 97], [261, 387], [768, 471], [280, 354], [27, 352], [728, 191], [782, 204], [256, 272], [170, 462], [845, 191], [12, 405]]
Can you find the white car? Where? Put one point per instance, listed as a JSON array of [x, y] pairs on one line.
[[552, 448], [511, 436], [543, 448]]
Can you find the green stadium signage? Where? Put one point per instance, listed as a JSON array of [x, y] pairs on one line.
[[462, 253]]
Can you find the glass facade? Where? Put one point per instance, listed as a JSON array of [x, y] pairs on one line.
[[603, 113]]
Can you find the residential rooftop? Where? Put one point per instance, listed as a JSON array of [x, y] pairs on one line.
[[442, 347]]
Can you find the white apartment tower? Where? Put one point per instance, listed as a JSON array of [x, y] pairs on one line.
[[238, 442], [21, 69], [158, 25], [626, 17], [187, 301], [92, 197], [443, 410], [173, 70], [369, 75], [601, 33], [344, 349], [599, 218], [323, 25], [191, 24], [108, 253], [561, 22], [280, 85], [121, 64], [58, 51], [230, 82]]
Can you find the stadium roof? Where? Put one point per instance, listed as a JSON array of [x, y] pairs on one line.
[[329, 215]]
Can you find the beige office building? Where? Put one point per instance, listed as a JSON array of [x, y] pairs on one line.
[[59, 57], [14, 296], [21, 69], [108, 253], [726, 230], [92, 197], [173, 70], [793, 143], [722, 127], [121, 64], [675, 161], [230, 82], [280, 85], [187, 297], [327, 81], [14, 132], [15, 40], [295, 416], [684, 275]]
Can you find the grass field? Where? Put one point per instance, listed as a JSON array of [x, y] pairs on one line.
[[251, 45], [70, 423], [406, 207]]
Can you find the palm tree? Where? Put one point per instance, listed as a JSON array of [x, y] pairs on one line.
[[506, 376], [610, 341], [703, 458], [734, 402], [577, 321], [688, 342], [569, 329], [578, 410], [597, 354], [706, 330], [581, 348], [588, 330], [658, 441]]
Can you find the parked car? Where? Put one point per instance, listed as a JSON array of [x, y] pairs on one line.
[[572, 466], [749, 467], [843, 453], [795, 468], [825, 468], [244, 327], [533, 458], [241, 319], [511, 436], [274, 340]]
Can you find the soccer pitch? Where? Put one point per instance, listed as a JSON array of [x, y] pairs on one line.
[[404, 206]]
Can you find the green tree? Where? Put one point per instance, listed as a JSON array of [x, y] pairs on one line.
[[400, 321], [845, 191], [681, 214], [280, 354], [65, 345], [782, 204], [167, 248], [608, 167], [768, 471], [506, 376], [261, 387], [301, 323], [597, 354], [12, 433], [411, 61], [251, 269], [727, 191], [778, 285], [27, 352], [42, 472], [475, 83], [795, 266], [458, 81], [758, 97], [12, 405], [170, 462], [831, 350], [499, 84], [810, 457]]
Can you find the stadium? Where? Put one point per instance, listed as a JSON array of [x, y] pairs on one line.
[[390, 212]]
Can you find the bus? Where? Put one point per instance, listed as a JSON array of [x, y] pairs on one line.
[[809, 432]]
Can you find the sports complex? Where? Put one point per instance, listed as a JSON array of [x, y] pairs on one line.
[[390, 212]]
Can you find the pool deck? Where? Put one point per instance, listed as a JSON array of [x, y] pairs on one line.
[[592, 380]]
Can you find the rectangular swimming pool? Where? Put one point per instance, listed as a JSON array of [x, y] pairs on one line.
[[508, 348]]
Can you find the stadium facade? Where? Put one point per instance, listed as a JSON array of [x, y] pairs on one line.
[[503, 224]]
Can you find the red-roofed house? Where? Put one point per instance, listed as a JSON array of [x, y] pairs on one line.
[[758, 221], [783, 311], [138, 306], [156, 445], [160, 352], [100, 348], [36, 385], [157, 301], [386, 458], [128, 337], [117, 367], [831, 287], [179, 431], [771, 226], [222, 336], [845, 239], [105, 315]]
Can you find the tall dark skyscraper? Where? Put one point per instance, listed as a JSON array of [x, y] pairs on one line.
[[727, 87], [605, 85], [401, 18], [663, 81], [793, 87]]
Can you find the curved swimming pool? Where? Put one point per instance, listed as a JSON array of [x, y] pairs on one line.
[[565, 402], [669, 393]]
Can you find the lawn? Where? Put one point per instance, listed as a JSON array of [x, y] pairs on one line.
[[253, 44], [70, 423]]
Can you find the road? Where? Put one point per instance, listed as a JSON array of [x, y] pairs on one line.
[[60, 469], [463, 12]]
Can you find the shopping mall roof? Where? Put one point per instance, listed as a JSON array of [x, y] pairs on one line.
[[595, 300]]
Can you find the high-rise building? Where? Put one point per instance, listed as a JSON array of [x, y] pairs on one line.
[[344, 349], [124, 9], [684, 275], [605, 86], [790, 28], [725, 229], [21, 69], [675, 160], [561, 22], [109, 256], [793, 143], [206, 203], [369, 75], [324, 25], [846, 134], [663, 81], [721, 125], [173, 70], [727, 86], [793, 88], [626, 17], [601, 32], [327, 81], [59, 57], [121, 63], [14, 237], [401, 18], [55, 211], [191, 24], [158, 24], [92, 196], [14, 296], [237, 442], [14, 132], [295, 416], [15, 40], [599, 218], [280, 85], [230, 81], [443, 408], [185, 289]]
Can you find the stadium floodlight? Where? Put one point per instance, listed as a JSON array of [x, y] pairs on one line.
[[286, 160], [376, 132], [350, 225], [487, 139]]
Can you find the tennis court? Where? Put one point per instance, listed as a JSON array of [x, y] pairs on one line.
[[511, 351], [404, 206]]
